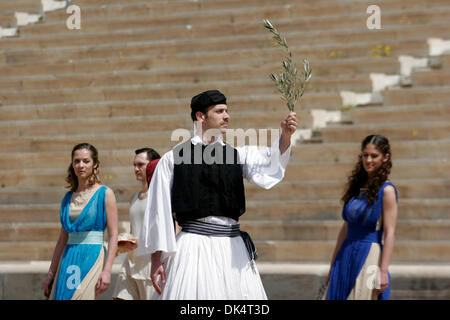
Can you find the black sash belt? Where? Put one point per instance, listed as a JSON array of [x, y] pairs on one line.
[[217, 230]]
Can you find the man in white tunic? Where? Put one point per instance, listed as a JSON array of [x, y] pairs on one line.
[[210, 258], [134, 282]]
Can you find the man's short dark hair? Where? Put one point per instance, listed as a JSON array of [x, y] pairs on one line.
[[204, 110], [151, 154]]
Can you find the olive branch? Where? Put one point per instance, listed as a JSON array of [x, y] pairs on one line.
[[288, 82]]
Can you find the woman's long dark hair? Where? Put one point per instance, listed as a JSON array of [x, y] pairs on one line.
[[359, 177], [72, 179]]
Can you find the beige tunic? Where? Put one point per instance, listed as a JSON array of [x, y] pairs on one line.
[[134, 282], [137, 266], [78, 201]]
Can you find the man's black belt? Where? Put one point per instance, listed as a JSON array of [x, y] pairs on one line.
[[218, 230]]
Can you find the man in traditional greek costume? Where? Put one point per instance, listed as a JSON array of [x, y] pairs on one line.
[[201, 182]]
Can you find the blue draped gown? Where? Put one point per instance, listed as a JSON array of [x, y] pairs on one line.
[[362, 219], [84, 245]]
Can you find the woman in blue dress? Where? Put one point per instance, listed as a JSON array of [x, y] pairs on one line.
[[78, 269], [360, 262]]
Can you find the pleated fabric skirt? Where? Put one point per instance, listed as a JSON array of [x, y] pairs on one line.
[[86, 289], [365, 284], [210, 268]]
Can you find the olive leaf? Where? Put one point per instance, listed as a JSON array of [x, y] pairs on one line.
[[290, 85]]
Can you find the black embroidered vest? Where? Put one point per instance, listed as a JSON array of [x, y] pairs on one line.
[[207, 181]]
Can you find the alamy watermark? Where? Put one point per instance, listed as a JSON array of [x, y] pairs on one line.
[[213, 153], [73, 21], [74, 280], [374, 20]]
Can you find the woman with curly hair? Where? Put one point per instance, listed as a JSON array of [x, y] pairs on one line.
[[359, 266], [78, 267]]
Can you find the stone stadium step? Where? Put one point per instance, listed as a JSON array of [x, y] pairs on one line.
[[304, 230], [394, 131], [262, 89], [427, 294], [29, 6], [123, 175], [158, 141], [293, 230], [406, 251], [306, 154], [314, 29], [118, 2], [281, 280], [431, 79], [404, 113], [165, 80], [70, 127], [402, 170], [53, 177], [274, 210], [238, 90], [408, 188], [410, 281], [168, 110], [287, 210], [31, 250], [445, 61], [237, 21], [305, 251], [417, 95], [7, 20], [221, 4], [159, 129], [170, 7], [46, 213], [178, 114], [42, 231], [216, 32], [347, 152], [216, 47], [299, 190], [203, 66], [192, 13]]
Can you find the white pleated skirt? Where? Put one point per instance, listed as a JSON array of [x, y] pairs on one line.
[[210, 268]]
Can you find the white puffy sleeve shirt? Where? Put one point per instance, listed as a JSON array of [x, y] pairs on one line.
[[263, 166]]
